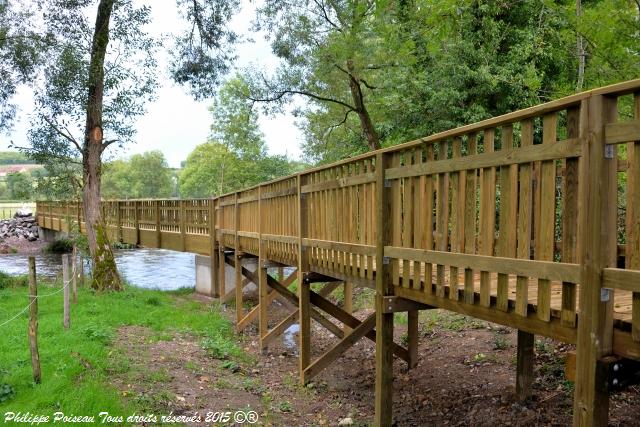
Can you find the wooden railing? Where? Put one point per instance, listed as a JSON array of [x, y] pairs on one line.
[[526, 220]]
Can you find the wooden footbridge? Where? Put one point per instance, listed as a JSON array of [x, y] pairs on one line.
[[530, 220]]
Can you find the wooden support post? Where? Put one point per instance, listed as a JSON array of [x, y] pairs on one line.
[[33, 321], [74, 274], [263, 303], [136, 218], [183, 225], [525, 364], [304, 287], [158, 231], [118, 222], [238, 285], [413, 338], [263, 289], [384, 321], [238, 262], [66, 283], [222, 286], [598, 251], [213, 250], [348, 302]]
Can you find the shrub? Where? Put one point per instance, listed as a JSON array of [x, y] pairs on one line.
[[7, 281], [98, 333], [7, 392], [60, 246]]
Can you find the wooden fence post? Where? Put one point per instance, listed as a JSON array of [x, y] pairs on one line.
[[384, 287], [598, 251], [33, 321], [66, 285]]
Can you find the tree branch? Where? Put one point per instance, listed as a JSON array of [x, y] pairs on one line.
[[108, 142], [281, 94], [66, 136], [49, 154]]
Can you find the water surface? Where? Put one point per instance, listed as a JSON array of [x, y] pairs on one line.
[[145, 268]]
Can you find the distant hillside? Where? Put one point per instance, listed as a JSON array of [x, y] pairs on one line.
[[21, 168], [14, 158]]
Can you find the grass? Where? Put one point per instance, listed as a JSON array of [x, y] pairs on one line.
[[446, 320], [77, 363]]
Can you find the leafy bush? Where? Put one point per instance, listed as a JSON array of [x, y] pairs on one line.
[[7, 281], [60, 246], [98, 333], [154, 301], [7, 392], [217, 347]]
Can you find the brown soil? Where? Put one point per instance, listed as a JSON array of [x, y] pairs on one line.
[[21, 245], [465, 377]]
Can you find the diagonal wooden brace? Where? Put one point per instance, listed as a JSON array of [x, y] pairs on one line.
[[335, 311], [338, 313], [253, 314], [293, 316], [337, 350]]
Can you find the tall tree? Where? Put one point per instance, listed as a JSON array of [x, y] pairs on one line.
[[21, 50], [97, 80], [236, 154], [331, 55], [145, 175]]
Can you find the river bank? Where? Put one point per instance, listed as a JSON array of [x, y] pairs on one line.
[[160, 353]]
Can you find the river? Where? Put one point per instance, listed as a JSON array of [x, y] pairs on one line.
[[145, 268]]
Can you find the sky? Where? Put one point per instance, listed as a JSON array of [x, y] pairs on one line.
[[175, 123]]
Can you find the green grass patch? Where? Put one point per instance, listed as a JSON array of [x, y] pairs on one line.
[[77, 363]]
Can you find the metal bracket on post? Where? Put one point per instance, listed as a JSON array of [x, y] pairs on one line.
[[394, 304], [386, 260], [387, 183], [605, 294], [608, 151]]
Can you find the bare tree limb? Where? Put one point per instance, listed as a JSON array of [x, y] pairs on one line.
[[66, 136], [281, 94], [50, 154]]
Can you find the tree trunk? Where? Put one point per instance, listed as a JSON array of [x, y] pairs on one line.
[[368, 129], [105, 273]]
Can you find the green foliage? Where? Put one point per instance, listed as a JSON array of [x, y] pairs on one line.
[[236, 156], [60, 246], [99, 333], [7, 392], [21, 52], [7, 281], [20, 186], [424, 67], [218, 347], [145, 175], [14, 158], [81, 380]]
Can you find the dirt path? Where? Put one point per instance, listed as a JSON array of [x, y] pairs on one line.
[[465, 377]]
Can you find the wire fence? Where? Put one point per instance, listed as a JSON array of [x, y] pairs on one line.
[[24, 310]]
